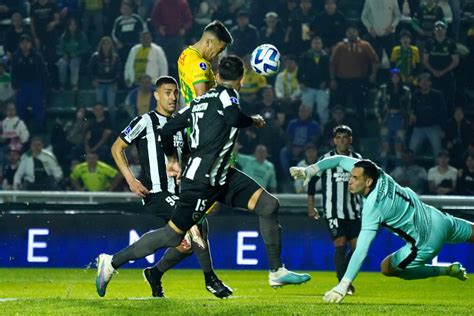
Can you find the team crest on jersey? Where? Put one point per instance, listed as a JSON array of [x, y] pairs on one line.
[[203, 66], [234, 100]]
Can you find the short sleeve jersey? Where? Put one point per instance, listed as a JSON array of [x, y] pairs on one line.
[[193, 69]]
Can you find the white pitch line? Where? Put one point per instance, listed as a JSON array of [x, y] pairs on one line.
[[8, 299]]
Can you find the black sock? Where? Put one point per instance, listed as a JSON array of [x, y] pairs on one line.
[[156, 274], [340, 261], [209, 275], [203, 255]]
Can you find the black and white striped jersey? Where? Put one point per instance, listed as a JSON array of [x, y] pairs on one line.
[[144, 132], [338, 202], [215, 119]]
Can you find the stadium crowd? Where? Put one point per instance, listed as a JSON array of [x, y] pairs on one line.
[[398, 72]]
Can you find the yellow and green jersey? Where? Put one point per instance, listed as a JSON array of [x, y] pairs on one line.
[[193, 69]]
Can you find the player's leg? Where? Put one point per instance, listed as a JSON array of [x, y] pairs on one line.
[[340, 256], [203, 253], [244, 192]]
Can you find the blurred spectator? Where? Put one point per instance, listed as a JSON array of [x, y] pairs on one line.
[[28, 79], [105, 69], [269, 107], [441, 58], [98, 134], [330, 25], [287, 85], [15, 133], [459, 136], [259, 168], [310, 157], [127, 29], [428, 115], [171, 19], [425, 17], [272, 32], [390, 153], [72, 46], [13, 34], [406, 57], [141, 100], [286, 11], [69, 9], [392, 104], [252, 83], [298, 33], [245, 35], [381, 18], [145, 58], [300, 132], [8, 7], [313, 73], [10, 168], [442, 177], [38, 169], [354, 64], [338, 117], [76, 130], [94, 175], [45, 21], [93, 19], [465, 182], [409, 174], [6, 89], [203, 16]]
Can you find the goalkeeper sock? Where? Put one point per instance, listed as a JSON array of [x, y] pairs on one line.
[[340, 261], [171, 258], [423, 272]]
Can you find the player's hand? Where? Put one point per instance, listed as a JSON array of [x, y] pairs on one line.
[[138, 188], [258, 121], [313, 212], [300, 173], [173, 169], [333, 296], [337, 294]]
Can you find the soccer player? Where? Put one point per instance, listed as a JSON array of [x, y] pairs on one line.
[[158, 191], [194, 64], [424, 228], [215, 118], [341, 208]]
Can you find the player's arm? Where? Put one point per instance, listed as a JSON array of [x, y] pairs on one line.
[[347, 163], [200, 88], [181, 121], [232, 114], [312, 210], [118, 154], [364, 241]]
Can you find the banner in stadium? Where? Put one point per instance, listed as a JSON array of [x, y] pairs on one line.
[[74, 240]]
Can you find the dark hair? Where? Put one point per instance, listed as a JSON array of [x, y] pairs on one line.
[[231, 68], [342, 129], [404, 33], [165, 80], [370, 169], [218, 29], [424, 75], [67, 33], [25, 37]]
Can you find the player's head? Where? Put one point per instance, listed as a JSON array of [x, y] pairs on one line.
[[364, 177], [166, 95], [231, 71], [342, 138], [215, 39]]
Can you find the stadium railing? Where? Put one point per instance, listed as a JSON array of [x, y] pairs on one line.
[[125, 201]]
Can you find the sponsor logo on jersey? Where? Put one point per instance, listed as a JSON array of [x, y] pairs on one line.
[[234, 100], [203, 65], [127, 130]]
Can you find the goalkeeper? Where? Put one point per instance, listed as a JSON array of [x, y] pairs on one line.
[[424, 228]]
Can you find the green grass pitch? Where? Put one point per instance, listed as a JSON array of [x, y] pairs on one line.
[[72, 292]]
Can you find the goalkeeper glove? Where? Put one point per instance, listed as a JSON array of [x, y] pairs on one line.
[[299, 173], [337, 294]]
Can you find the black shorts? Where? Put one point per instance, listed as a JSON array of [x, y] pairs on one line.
[[161, 204], [350, 228], [196, 197]]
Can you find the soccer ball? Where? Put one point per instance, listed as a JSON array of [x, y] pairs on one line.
[[265, 60]]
